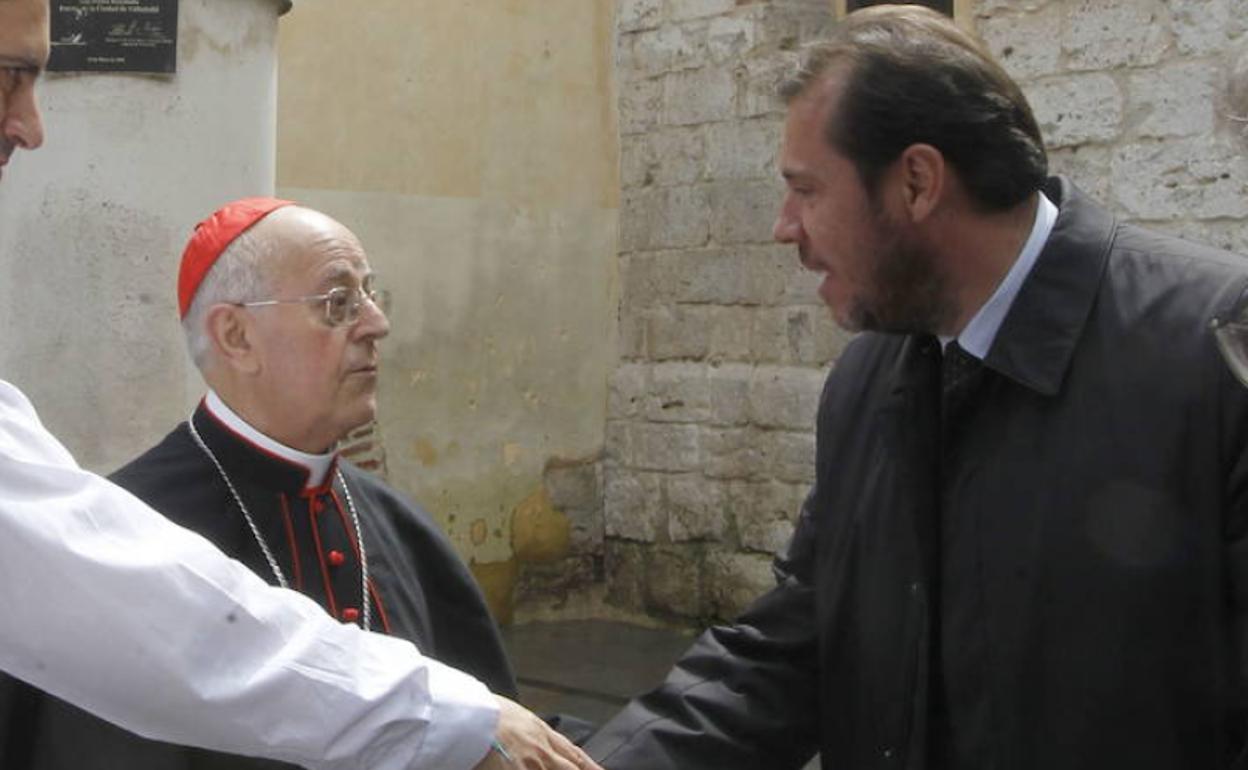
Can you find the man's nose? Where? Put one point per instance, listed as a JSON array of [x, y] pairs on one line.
[[22, 124], [372, 322], [786, 227]]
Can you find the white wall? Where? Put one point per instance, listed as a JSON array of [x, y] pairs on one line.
[[92, 226]]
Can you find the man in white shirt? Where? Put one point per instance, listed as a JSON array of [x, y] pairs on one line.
[[111, 607]]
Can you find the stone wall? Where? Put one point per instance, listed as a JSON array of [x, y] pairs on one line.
[[1144, 103], [723, 345]]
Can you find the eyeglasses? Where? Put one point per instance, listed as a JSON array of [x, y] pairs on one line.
[[1232, 337], [342, 304]]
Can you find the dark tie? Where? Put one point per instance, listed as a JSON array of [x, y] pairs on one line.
[[959, 373]]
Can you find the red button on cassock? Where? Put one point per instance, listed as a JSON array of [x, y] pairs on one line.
[[337, 558], [350, 614]]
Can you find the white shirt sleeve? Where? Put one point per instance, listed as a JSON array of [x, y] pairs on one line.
[[115, 609]]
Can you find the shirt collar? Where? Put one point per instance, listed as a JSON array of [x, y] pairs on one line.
[[317, 466], [981, 331]]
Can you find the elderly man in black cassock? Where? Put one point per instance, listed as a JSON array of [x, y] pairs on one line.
[[283, 319]]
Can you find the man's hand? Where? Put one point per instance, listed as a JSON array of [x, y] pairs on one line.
[[531, 744]]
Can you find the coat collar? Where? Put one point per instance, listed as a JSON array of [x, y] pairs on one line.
[[1038, 337]]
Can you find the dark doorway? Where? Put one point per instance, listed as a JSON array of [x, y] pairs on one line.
[[944, 6]]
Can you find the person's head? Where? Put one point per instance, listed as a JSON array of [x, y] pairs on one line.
[[912, 76], [895, 113], [301, 370], [23, 54]]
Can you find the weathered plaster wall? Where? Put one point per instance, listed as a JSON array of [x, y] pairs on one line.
[[472, 146], [92, 226], [1144, 103]]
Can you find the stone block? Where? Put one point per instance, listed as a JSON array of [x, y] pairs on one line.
[[1200, 26], [632, 504], [744, 150], [735, 580], [669, 48], [663, 218], [681, 10], [741, 274], [789, 456], [573, 483], [674, 581], [743, 211], [731, 453], [633, 15], [728, 386], [624, 566], [1172, 100], [1104, 34], [627, 389], [635, 161], [632, 342], [755, 84], [698, 96], [985, 9], [1233, 120], [1077, 108], [676, 156], [678, 332], [1236, 17], [765, 512], [654, 446], [1028, 45], [697, 508], [1197, 178], [730, 38], [1086, 165], [729, 330], [804, 336], [678, 393], [641, 102], [785, 397]]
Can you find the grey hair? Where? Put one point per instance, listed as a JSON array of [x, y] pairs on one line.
[[241, 274]]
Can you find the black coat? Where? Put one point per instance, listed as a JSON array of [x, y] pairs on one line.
[[422, 590], [1062, 577]]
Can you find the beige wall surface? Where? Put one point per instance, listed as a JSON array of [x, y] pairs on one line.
[[472, 146]]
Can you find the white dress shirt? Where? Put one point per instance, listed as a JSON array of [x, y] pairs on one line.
[[981, 330], [112, 607]]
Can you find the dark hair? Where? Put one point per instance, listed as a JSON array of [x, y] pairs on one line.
[[915, 77]]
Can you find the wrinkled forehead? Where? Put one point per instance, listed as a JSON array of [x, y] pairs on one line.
[[315, 250]]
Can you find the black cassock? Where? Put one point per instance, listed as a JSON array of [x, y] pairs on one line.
[[419, 589]]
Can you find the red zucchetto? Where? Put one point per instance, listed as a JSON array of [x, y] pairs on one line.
[[212, 236]]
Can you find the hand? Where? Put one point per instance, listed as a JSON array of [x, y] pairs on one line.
[[531, 744]]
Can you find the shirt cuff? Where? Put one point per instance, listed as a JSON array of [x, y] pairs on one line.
[[463, 720]]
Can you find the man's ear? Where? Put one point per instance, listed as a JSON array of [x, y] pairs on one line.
[[922, 181], [233, 338]]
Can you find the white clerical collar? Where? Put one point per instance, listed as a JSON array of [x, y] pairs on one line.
[[317, 465], [978, 336]]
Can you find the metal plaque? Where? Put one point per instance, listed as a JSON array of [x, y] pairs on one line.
[[114, 36]]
